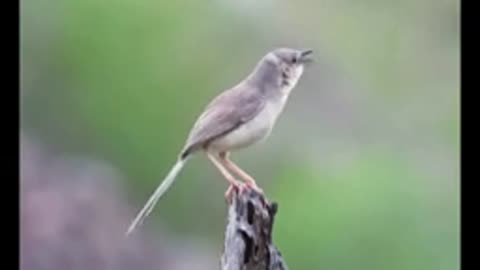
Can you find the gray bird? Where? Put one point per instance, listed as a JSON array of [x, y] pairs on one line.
[[237, 118]]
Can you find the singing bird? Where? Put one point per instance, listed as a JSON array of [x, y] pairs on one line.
[[238, 118]]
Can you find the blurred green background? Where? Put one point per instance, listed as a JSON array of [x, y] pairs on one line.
[[364, 162]]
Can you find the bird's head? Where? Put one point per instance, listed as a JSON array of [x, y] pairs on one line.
[[282, 67]]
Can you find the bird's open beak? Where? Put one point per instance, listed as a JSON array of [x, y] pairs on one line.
[[306, 56]]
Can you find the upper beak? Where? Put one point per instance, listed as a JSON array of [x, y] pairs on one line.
[[306, 56]]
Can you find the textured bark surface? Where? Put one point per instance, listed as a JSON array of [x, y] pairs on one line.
[[248, 236]]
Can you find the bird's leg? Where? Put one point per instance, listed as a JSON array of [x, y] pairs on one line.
[[232, 166], [230, 179]]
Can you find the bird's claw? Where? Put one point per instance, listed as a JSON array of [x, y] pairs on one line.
[[239, 187], [256, 188]]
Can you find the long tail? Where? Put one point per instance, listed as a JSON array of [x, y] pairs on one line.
[[161, 189]]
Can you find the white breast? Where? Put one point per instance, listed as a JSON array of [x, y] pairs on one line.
[[253, 131]]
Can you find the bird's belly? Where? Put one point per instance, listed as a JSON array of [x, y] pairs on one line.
[[251, 132]]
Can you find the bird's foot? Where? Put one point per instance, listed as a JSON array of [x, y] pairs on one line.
[[258, 190], [240, 187], [253, 185]]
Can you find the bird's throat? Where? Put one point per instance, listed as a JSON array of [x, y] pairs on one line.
[[290, 79]]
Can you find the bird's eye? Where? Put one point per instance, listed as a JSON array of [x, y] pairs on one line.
[[294, 60]]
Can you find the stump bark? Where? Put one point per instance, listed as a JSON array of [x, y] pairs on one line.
[[248, 236]]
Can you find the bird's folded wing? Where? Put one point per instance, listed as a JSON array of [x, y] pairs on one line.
[[224, 114]]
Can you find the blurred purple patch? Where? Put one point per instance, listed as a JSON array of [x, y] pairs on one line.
[[74, 217]]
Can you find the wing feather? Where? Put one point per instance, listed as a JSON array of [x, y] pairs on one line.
[[225, 113]]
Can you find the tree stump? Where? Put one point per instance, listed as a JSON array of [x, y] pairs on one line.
[[248, 236]]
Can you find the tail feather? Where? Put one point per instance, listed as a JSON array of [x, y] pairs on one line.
[[161, 189]]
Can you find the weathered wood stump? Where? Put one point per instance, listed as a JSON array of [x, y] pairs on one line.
[[248, 236]]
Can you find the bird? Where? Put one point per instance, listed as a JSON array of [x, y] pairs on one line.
[[237, 118]]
